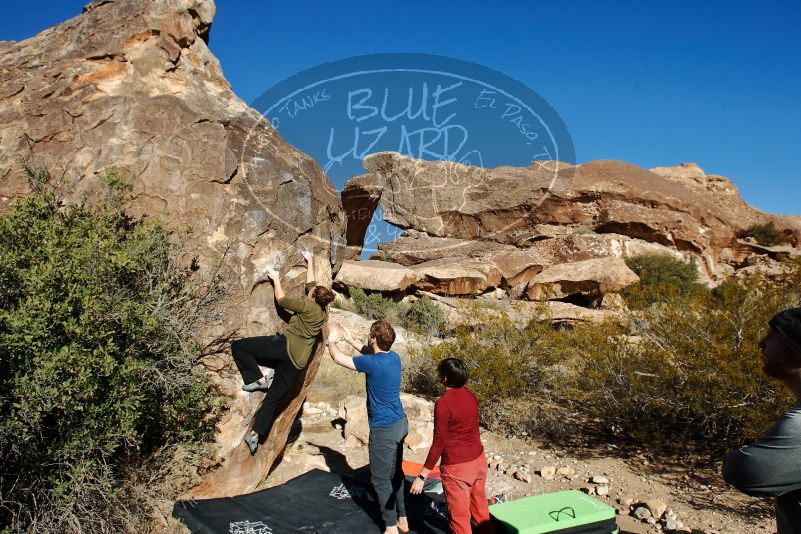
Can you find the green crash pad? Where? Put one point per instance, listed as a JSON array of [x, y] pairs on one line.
[[564, 512]]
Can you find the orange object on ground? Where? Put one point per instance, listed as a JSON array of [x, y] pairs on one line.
[[412, 469]]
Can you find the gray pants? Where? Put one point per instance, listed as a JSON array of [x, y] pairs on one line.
[[386, 473]]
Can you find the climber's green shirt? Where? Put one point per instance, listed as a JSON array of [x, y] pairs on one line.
[[303, 328]]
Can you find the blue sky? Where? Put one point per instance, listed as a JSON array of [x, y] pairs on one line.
[[651, 83]]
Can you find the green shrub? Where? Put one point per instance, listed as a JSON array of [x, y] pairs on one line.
[[374, 306], [765, 234], [488, 350], [517, 374], [98, 361], [422, 316], [680, 373], [662, 278], [658, 269], [692, 374]]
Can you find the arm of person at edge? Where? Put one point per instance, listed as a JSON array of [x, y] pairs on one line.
[[765, 468], [362, 348], [274, 277], [339, 357], [308, 255], [293, 305], [434, 453], [417, 485]]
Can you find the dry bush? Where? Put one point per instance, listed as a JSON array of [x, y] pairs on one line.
[[516, 373], [695, 374], [681, 372], [765, 234], [99, 360], [333, 377]]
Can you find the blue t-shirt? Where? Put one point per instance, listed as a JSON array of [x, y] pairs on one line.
[[383, 372]]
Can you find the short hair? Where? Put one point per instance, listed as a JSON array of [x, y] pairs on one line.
[[453, 372], [383, 333], [322, 296], [787, 324]]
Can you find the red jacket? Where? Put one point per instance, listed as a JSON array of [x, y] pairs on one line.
[[456, 433]]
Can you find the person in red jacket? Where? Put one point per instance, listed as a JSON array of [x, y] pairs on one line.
[[456, 440]]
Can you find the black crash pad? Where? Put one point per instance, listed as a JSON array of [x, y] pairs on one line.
[[315, 502]]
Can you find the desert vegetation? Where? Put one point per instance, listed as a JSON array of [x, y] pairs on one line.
[[681, 373], [106, 410], [662, 277], [421, 316], [765, 234], [103, 402]]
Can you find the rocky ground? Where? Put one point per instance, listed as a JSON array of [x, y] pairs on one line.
[[638, 485]]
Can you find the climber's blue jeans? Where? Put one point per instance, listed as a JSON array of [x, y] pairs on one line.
[[386, 470]]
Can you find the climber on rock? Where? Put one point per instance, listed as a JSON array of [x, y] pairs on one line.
[[285, 354], [385, 416]]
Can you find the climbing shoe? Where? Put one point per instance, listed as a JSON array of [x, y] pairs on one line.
[[260, 385], [252, 441]]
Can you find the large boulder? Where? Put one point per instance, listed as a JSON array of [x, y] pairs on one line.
[[471, 311], [419, 413], [517, 266], [235, 471], [376, 275], [453, 266], [448, 199], [588, 278], [357, 328], [132, 85], [446, 275], [680, 208], [413, 247], [452, 276], [472, 266]]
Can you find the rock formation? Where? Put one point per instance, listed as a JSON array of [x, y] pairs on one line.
[[448, 266], [376, 275], [132, 84], [588, 278], [549, 230], [511, 204], [470, 311], [419, 412]]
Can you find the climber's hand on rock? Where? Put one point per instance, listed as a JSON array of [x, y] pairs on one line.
[[334, 334], [349, 336], [307, 254], [271, 273]]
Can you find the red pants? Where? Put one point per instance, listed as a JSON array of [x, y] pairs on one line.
[[466, 497]]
